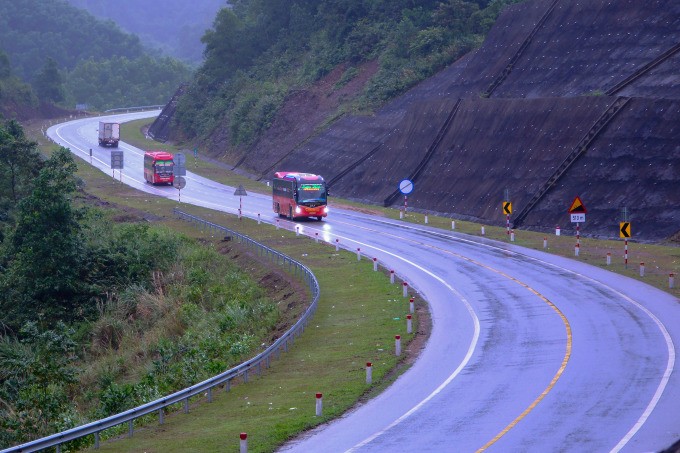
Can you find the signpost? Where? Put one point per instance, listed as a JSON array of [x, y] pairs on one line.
[[507, 209], [241, 192], [117, 162], [624, 232], [405, 187], [179, 183], [577, 212]]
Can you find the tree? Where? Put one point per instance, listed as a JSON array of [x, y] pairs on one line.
[[41, 276], [49, 84], [21, 163]]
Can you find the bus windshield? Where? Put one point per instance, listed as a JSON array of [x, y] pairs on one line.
[[311, 192], [163, 166]]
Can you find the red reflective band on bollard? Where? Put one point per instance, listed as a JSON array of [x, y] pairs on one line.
[[244, 436]]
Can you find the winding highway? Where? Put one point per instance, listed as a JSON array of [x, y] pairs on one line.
[[528, 351]]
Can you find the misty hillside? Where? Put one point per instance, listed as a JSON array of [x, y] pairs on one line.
[[173, 26], [564, 98], [69, 57]]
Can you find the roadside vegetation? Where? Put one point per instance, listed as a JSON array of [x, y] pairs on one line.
[[67, 57], [259, 52]]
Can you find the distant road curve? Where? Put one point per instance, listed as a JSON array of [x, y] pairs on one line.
[[528, 351]]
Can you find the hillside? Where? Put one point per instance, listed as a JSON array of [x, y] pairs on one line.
[[175, 27], [564, 98]]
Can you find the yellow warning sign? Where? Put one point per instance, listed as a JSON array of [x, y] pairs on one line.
[[507, 207], [577, 206], [624, 229]]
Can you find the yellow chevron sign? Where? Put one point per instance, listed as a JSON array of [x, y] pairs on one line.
[[507, 207], [624, 229]]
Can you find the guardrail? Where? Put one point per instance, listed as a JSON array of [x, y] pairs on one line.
[[135, 109], [225, 378]]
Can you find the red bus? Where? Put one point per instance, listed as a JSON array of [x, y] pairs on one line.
[[299, 195], [158, 167]]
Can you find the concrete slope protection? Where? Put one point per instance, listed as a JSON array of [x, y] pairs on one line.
[[530, 97], [528, 351]]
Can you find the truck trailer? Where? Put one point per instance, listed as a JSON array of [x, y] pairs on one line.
[[109, 134]]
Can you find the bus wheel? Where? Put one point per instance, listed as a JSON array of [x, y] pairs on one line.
[[320, 218]]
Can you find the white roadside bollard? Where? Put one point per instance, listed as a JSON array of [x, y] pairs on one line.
[[409, 324], [319, 404], [316, 237], [297, 230], [671, 281], [642, 269], [426, 221], [401, 214], [483, 232], [609, 258], [397, 345], [545, 242], [512, 235], [405, 286], [244, 442], [258, 218], [358, 254], [277, 224], [375, 264], [577, 249], [369, 372], [411, 305], [337, 245], [392, 276], [453, 224], [557, 230]]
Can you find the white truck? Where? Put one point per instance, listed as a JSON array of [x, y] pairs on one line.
[[109, 134]]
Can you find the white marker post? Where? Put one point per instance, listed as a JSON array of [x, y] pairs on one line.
[[411, 305], [405, 286], [369, 373], [244, 442], [375, 264], [392, 276], [409, 324], [397, 345], [337, 245], [358, 253], [319, 404]]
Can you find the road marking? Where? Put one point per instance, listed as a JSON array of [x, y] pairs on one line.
[[670, 347], [552, 383]]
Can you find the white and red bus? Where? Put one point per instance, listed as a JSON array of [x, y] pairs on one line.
[[299, 195], [158, 167]]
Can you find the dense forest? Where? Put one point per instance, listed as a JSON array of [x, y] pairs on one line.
[[70, 58], [173, 26], [259, 51], [100, 316]]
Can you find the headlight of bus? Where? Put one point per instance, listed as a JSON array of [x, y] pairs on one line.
[[298, 210]]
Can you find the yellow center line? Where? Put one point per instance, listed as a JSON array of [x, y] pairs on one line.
[[565, 321]]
